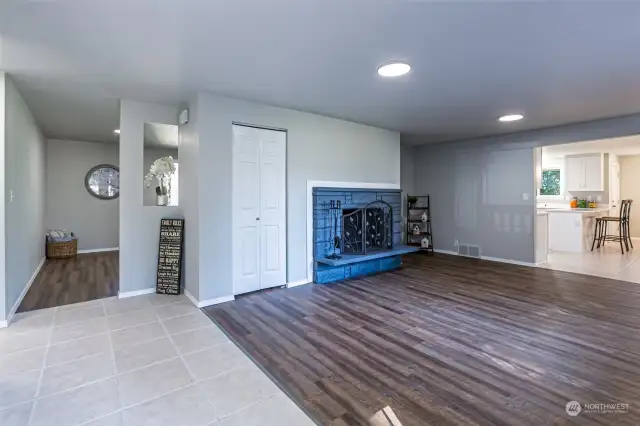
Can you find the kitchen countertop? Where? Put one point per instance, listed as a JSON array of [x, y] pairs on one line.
[[570, 210]]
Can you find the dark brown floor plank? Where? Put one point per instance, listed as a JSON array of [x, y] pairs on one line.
[[82, 278], [447, 340]]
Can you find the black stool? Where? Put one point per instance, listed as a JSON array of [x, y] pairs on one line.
[[624, 230]]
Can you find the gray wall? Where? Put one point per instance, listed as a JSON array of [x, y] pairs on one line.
[[25, 170], [151, 155], [69, 205], [477, 198], [2, 202], [188, 182], [407, 181], [477, 185], [318, 148], [629, 188], [139, 224]]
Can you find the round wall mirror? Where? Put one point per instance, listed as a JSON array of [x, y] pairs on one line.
[[103, 182]]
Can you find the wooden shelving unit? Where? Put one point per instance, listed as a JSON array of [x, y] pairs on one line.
[[414, 218]]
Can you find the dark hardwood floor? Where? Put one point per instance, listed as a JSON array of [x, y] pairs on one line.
[[447, 340], [64, 281]]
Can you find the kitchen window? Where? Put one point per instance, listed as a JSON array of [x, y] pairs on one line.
[[550, 182]]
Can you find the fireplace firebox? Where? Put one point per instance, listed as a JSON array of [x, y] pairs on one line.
[[368, 229]]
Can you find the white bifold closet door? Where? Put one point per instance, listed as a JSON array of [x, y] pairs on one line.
[[259, 208]]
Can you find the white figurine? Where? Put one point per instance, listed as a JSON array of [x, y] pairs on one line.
[[424, 217], [416, 230], [424, 243]]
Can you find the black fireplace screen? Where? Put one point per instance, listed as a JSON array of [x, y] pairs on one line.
[[367, 229]]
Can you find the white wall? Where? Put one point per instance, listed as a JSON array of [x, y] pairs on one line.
[[3, 271], [139, 224], [318, 148], [25, 171], [69, 204]]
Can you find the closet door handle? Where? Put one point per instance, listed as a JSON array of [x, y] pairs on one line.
[[257, 218]]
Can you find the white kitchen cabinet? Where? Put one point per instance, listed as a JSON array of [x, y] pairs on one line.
[[584, 172]]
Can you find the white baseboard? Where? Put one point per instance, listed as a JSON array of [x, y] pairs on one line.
[[513, 262], [208, 302], [191, 297], [299, 282], [24, 293], [99, 250], [445, 251], [489, 258], [127, 294], [215, 301]]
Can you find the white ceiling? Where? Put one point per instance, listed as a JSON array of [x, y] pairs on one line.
[[629, 145], [556, 62]]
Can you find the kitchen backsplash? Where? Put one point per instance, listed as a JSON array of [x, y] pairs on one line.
[[604, 196]]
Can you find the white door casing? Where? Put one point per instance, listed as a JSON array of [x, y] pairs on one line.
[[259, 209]]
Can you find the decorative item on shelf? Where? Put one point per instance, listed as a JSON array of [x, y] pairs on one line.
[[574, 203], [162, 170], [424, 243], [335, 210], [419, 232], [411, 200]]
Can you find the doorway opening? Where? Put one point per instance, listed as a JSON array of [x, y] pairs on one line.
[[586, 218]]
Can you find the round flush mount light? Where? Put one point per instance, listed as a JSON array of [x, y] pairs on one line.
[[511, 117], [394, 69], [116, 131]]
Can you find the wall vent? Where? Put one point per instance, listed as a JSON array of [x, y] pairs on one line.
[[469, 250]]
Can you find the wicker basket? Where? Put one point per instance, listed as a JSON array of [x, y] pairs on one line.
[[61, 250]]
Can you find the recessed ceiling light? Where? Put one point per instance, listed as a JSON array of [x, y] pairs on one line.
[[116, 131], [511, 117], [394, 69]]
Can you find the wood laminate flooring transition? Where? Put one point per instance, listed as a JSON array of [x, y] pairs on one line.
[[448, 340], [82, 278]]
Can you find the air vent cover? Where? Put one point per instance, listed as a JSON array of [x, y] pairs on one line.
[[469, 250]]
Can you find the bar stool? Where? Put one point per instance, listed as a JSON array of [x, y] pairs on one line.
[[624, 230]]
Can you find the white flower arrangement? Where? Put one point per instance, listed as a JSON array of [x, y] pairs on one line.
[[162, 169]]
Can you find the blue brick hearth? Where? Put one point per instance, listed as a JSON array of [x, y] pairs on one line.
[[351, 266]]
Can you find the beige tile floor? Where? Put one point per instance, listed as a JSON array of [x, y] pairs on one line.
[[607, 262], [145, 361]]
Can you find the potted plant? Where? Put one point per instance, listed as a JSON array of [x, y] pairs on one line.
[[162, 170], [412, 201]]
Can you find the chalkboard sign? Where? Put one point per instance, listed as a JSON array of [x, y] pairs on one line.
[[170, 256]]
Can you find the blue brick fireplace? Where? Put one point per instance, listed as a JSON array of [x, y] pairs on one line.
[[382, 254]]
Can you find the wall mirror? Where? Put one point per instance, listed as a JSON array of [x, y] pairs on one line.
[[161, 165]]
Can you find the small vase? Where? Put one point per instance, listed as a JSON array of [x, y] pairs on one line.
[[162, 200]]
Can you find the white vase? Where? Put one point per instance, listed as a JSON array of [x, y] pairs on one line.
[[162, 200]]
